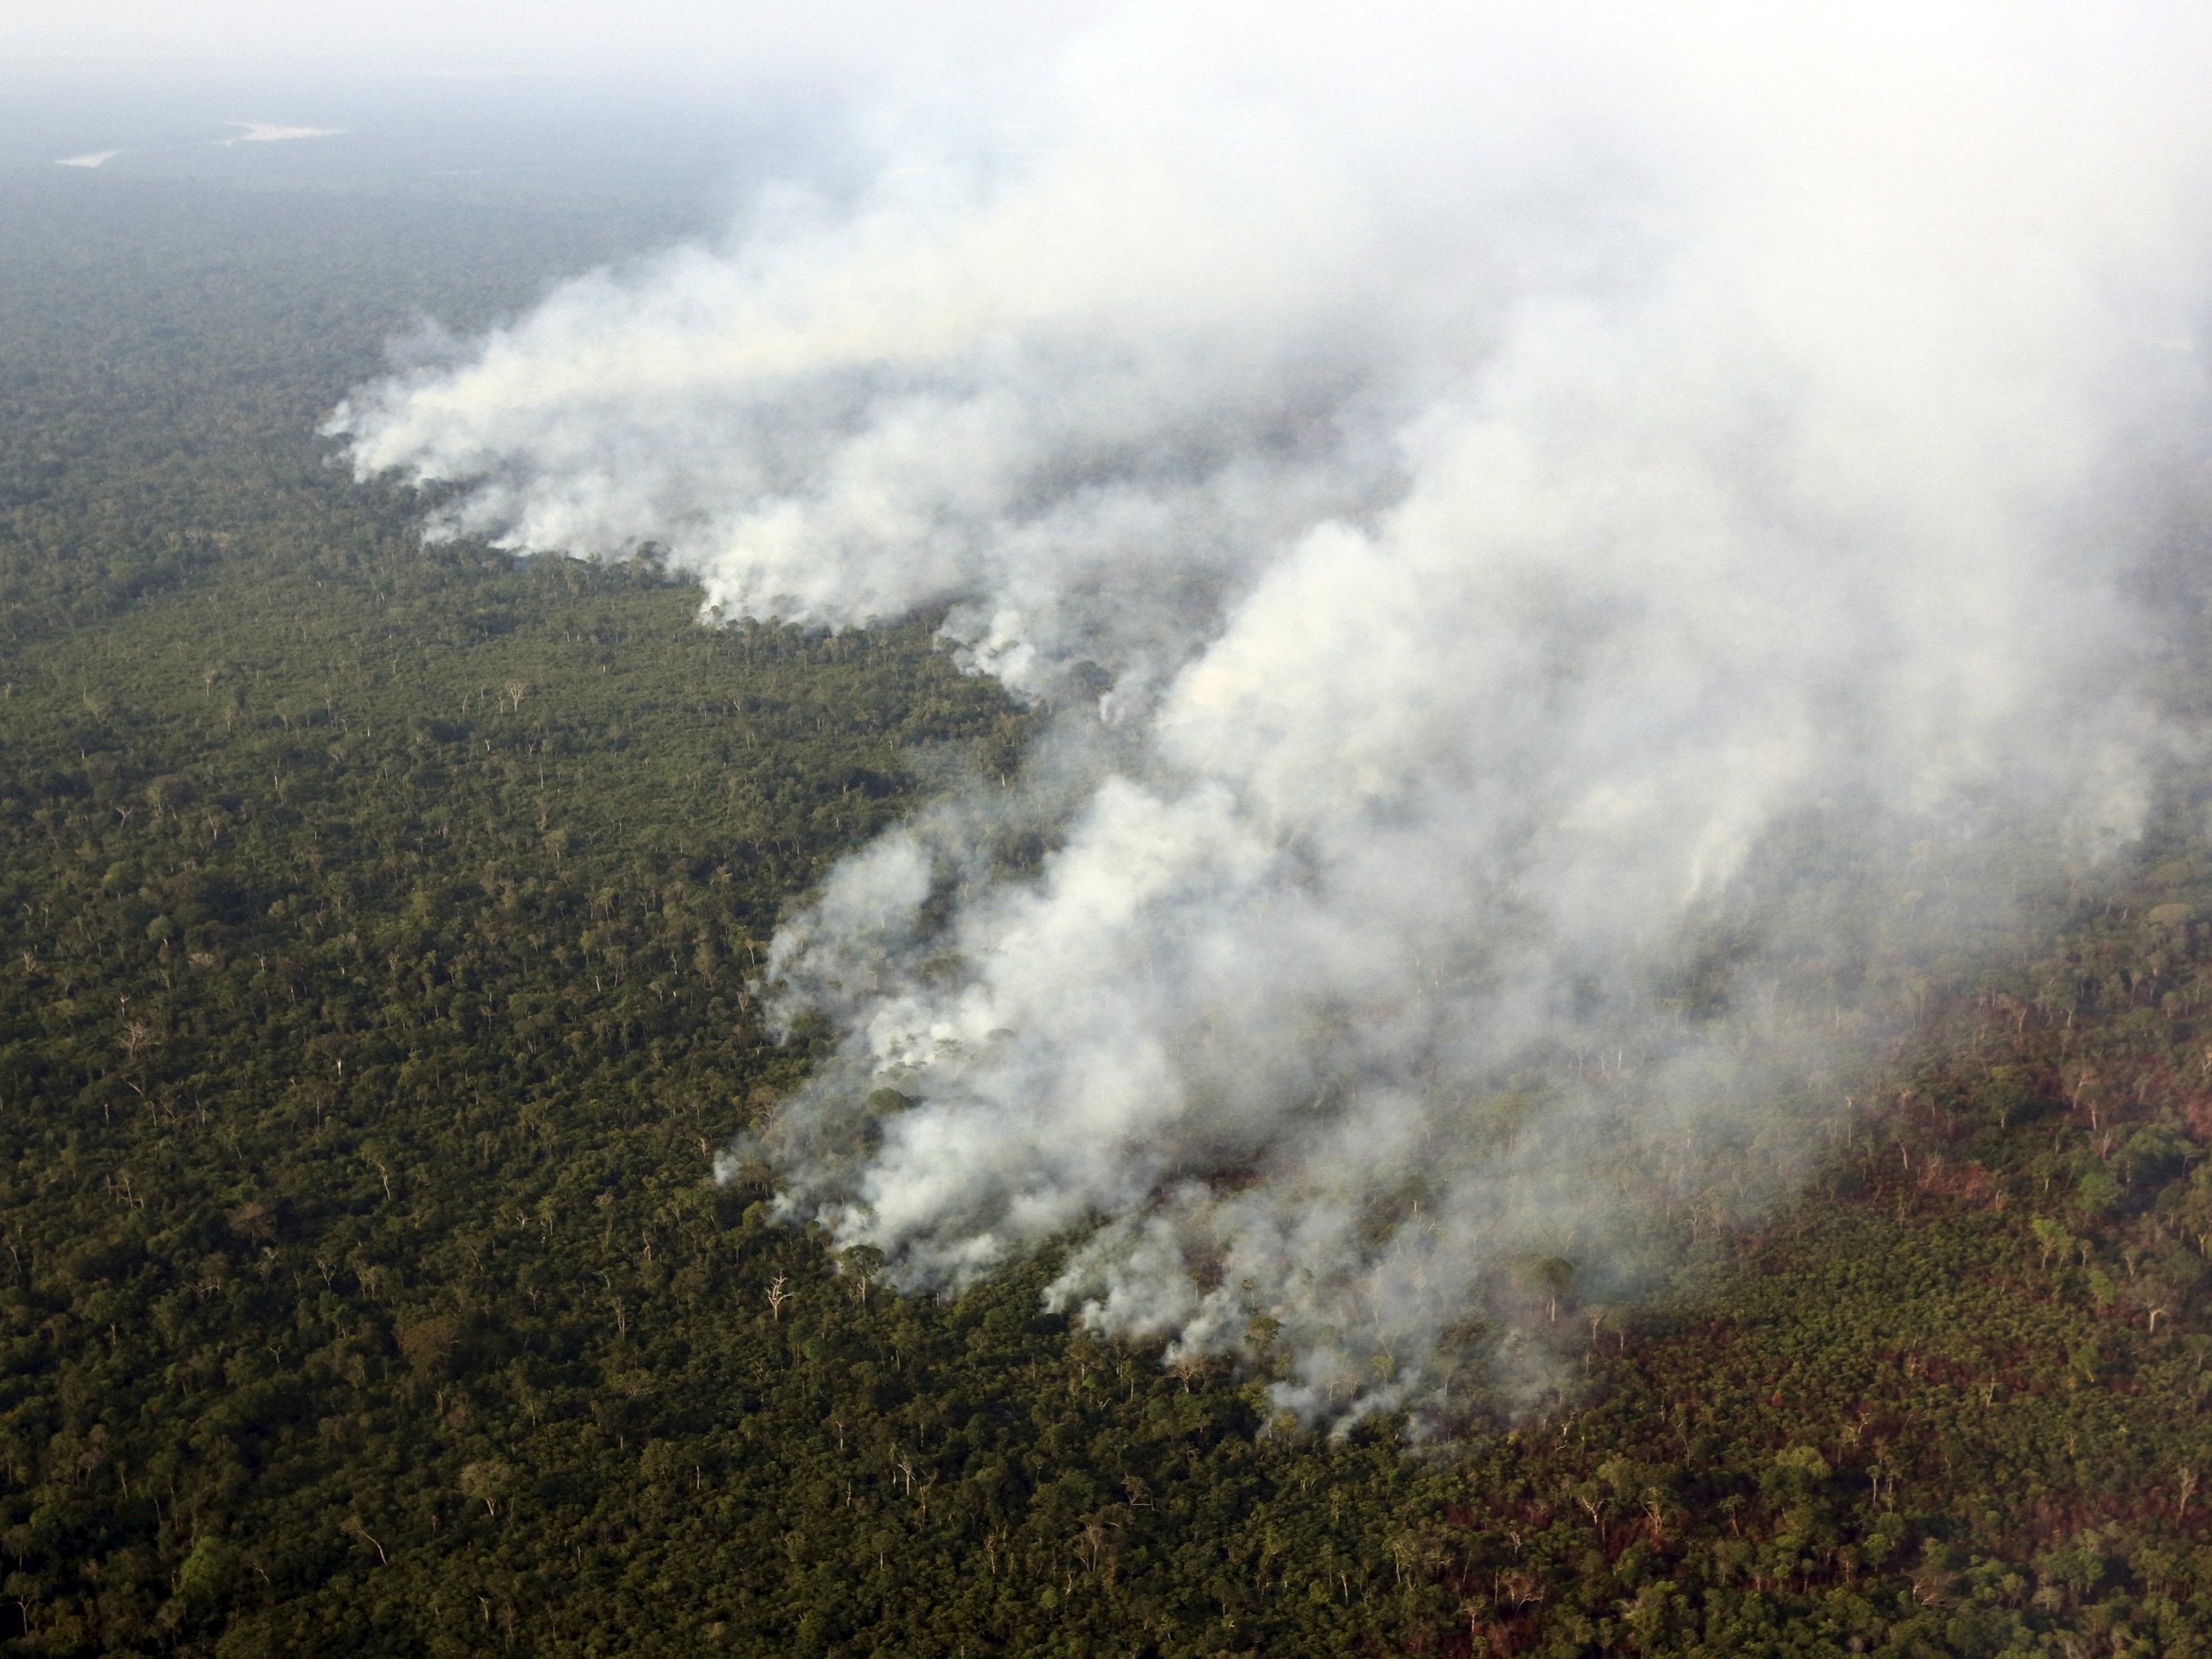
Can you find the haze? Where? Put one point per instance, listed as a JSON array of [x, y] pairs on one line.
[[669, 41]]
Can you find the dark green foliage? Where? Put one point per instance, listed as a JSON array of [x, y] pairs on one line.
[[374, 1003], [166, 354]]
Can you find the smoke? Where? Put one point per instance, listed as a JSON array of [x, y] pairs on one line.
[[1569, 550]]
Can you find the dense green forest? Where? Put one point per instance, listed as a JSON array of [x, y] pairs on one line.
[[378, 926]]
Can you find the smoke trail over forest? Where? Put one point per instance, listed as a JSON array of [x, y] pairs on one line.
[[1569, 551]]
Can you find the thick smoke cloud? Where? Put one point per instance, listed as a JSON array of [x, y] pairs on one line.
[[1568, 551]]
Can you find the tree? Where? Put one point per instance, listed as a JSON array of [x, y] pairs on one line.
[[488, 1481]]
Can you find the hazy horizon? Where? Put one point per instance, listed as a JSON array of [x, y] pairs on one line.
[[673, 42]]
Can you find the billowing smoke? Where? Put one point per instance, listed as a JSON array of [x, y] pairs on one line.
[[1568, 550]]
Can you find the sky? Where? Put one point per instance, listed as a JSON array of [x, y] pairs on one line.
[[677, 40]]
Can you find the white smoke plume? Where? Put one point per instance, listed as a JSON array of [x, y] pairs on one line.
[[1566, 544]]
